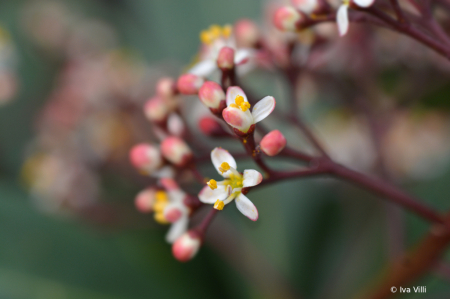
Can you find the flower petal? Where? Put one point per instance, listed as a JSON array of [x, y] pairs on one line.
[[203, 68], [177, 229], [210, 196], [238, 119], [364, 3], [251, 178], [218, 156], [233, 92], [342, 19], [246, 207], [263, 108], [243, 55]]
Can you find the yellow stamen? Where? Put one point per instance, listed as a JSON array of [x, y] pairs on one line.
[[205, 37], [161, 196], [245, 106], [212, 184], [234, 105], [224, 167], [159, 217], [239, 100], [226, 31], [215, 31], [159, 206], [219, 205]]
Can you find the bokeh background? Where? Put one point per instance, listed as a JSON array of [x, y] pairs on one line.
[[317, 238]]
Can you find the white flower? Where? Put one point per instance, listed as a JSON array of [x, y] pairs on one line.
[[222, 193], [342, 13], [214, 39], [237, 113]]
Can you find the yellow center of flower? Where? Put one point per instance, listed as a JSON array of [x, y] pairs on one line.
[[161, 201], [215, 32], [224, 167], [219, 205], [240, 103], [212, 184], [346, 2]]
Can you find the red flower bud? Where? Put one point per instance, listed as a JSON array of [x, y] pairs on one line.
[[211, 94], [273, 143], [287, 18], [186, 246], [176, 151], [246, 33], [189, 84], [225, 59]]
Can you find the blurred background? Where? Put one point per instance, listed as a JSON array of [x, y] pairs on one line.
[[71, 76]]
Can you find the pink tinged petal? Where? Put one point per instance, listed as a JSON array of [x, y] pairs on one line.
[[273, 143], [210, 196], [189, 84], [307, 6], [342, 19], [233, 92], [243, 56], [186, 246], [237, 118], [246, 207], [144, 200], [176, 151], [225, 59], [286, 18], [218, 156], [251, 178], [174, 211], [263, 108], [177, 229], [169, 184], [203, 68], [211, 94], [364, 3]]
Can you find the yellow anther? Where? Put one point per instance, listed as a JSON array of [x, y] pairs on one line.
[[161, 196], [212, 184], [245, 106], [205, 37], [224, 167], [159, 206], [226, 31], [234, 105], [159, 217], [219, 205], [215, 31], [239, 100]]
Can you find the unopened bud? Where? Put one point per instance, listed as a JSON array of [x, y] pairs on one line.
[[287, 18], [145, 199], [176, 151], [211, 127], [225, 59], [246, 33], [273, 143], [145, 157], [189, 84], [211, 94], [186, 246], [156, 109], [166, 87], [175, 125]]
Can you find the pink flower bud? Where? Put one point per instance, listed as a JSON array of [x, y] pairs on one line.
[[145, 157], [211, 94], [144, 200], [211, 127], [189, 84], [169, 184], [246, 33], [225, 59], [273, 143], [166, 87], [156, 109], [287, 18], [176, 151], [186, 246]]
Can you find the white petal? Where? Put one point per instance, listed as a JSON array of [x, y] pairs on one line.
[[165, 172], [243, 56], [246, 207], [177, 229], [251, 178], [342, 19], [210, 196], [175, 125], [218, 156], [203, 68], [263, 108], [364, 3], [233, 92]]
